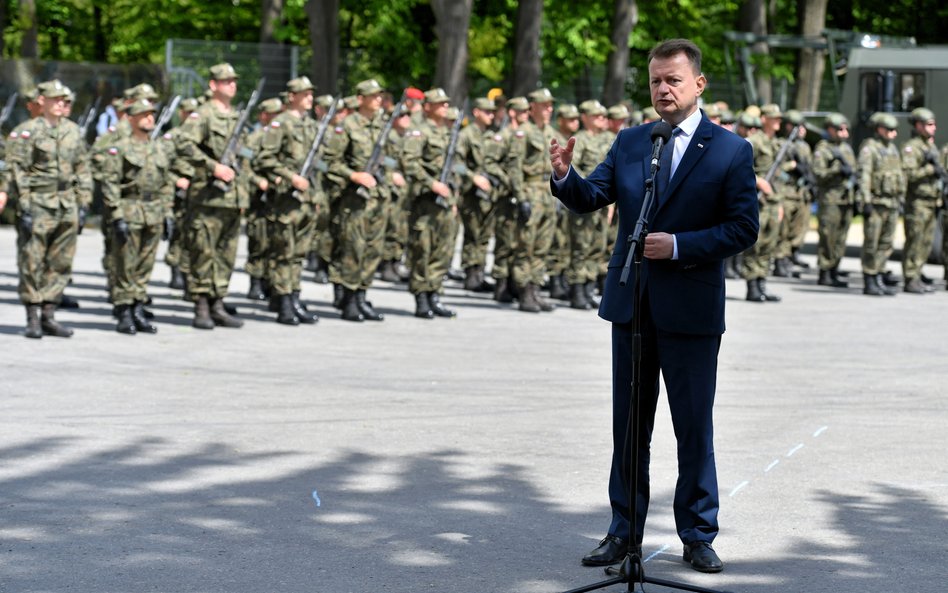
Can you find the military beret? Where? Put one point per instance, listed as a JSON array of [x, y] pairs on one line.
[[273, 105], [921, 114], [770, 110], [52, 89], [567, 111], [712, 110], [795, 117], [189, 104], [368, 87], [886, 120], [223, 71], [619, 111], [414, 93], [351, 102], [835, 120], [324, 101], [484, 104], [436, 95], [749, 119], [649, 114], [593, 107], [541, 96], [518, 104], [299, 85], [141, 106], [140, 91], [452, 113]]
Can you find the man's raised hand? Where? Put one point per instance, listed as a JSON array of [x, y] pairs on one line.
[[561, 157]]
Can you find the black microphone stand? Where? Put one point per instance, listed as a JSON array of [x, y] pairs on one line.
[[631, 570]]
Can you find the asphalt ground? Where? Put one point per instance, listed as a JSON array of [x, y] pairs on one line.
[[467, 455]]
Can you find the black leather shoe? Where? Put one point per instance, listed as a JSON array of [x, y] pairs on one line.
[[611, 550], [702, 557]]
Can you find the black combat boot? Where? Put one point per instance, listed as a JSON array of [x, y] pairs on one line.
[[870, 285], [387, 271], [266, 287], [49, 325], [528, 300], [502, 292], [769, 297], [285, 313], [914, 286], [321, 273], [730, 268], [795, 259], [221, 316], [177, 278], [782, 268], [68, 302], [471, 282], [273, 305], [256, 290], [889, 279], [125, 325], [350, 307], [482, 284], [578, 298], [559, 290], [338, 296], [590, 289], [827, 278], [141, 320], [545, 305], [33, 328], [423, 306], [202, 314], [434, 299], [838, 276], [300, 310], [753, 292], [886, 289], [365, 307], [312, 262]]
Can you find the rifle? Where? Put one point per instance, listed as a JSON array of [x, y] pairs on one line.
[[807, 178], [504, 122], [932, 157], [307, 167], [782, 154], [448, 166], [8, 108], [88, 116], [852, 180], [229, 157], [373, 165], [167, 112]]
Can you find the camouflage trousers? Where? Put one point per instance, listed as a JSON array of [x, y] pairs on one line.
[[133, 262], [534, 236], [610, 232], [290, 231], [878, 230], [432, 231], [505, 238], [45, 257], [585, 245], [108, 252], [756, 261], [258, 246], [359, 239], [177, 255], [558, 260], [793, 227], [396, 228], [834, 220], [212, 247], [477, 216], [919, 236]]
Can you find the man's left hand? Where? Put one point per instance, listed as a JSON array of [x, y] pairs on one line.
[[659, 246]]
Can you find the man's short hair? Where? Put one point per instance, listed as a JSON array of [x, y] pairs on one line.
[[672, 47]]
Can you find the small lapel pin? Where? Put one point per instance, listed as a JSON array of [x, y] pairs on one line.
[[700, 145]]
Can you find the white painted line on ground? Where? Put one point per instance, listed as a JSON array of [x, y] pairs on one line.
[[772, 465], [794, 450], [656, 553], [739, 487], [820, 431]]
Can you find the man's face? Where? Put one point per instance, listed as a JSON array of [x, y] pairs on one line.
[[541, 112], [520, 117], [840, 133], [771, 124], [926, 129], [887, 134], [484, 118], [143, 122], [370, 103], [595, 123], [616, 125], [224, 89], [675, 87], [568, 126], [437, 110], [301, 101], [52, 107]]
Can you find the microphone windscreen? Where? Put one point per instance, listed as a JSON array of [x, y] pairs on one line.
[[661, 130]]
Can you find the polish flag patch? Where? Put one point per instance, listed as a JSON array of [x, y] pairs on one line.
[[113, 151]]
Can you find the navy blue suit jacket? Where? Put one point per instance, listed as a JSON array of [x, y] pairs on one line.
[[710, 205]]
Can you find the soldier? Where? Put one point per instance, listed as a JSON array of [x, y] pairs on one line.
[[881, 193], [529, 167], [290, 205], [505, 210], [728, 119], [50, 169], [177, 256], [649, 115], [317, 261], [834, 165], [432, 223], [757, 259], [796, 198], [258, 246], [215, 198], [396, 208], [477, 192], [359, 208], [138, 190], [567, 124], [924, 196]]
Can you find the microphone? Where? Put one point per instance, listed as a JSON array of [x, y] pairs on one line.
[[660, 135]]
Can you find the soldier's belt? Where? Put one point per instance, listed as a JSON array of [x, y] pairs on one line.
[[144, 196], [537, 178], [51, 187]]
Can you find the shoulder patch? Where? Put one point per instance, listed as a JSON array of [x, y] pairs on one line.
[[908, 148], [25, 134], [13, 134], [167, 136], [520, 134], [416, 133], [194, 115], [113, 150], [112, 128], [274, 124], [498, 138], [338, 129]]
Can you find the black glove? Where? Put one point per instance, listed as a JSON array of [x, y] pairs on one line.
[[931, 158], [524, 210], [26, 225], [845, 169], [867, 211], [167, 229], [82, 219], [120, 228]]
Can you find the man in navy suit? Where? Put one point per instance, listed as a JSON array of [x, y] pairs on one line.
[[706, 210]]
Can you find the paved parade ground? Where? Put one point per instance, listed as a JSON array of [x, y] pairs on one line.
[[466, 455]]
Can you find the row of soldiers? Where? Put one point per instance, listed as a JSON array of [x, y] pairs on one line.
[[880, 181]]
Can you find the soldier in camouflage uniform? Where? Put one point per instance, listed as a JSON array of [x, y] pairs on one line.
[[359, 208], [396, 209], [314, 262], [213, 224], [567, 124], [327, 219], [796, 198], [834, 165], [481, 163], [50, 168], [291, 203], [177, 256], [881, 192], [924, 197], [432, 224], [529, 167], [258, 244], [505, 209], [138, 190]]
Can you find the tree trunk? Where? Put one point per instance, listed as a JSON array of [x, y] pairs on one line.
[[324, 40], [624, 19], [270, 13], [453, 20], [812, 61], [526, 66], [30, 47], [3, 25], [754, 20], [98, 33]]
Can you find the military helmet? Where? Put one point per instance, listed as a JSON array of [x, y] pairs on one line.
[[189, 104], [771, 110], [452, 113], [369, 87], [437, 95], [648, 113], [728, 117], [921, 114], [794, 117], [885, 120], [712, 110], [324, 101], [836, 120], [749, 119]]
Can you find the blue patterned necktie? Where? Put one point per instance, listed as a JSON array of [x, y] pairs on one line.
[[665, 165]]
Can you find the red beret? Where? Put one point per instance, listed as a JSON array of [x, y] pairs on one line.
[[413, 93]]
